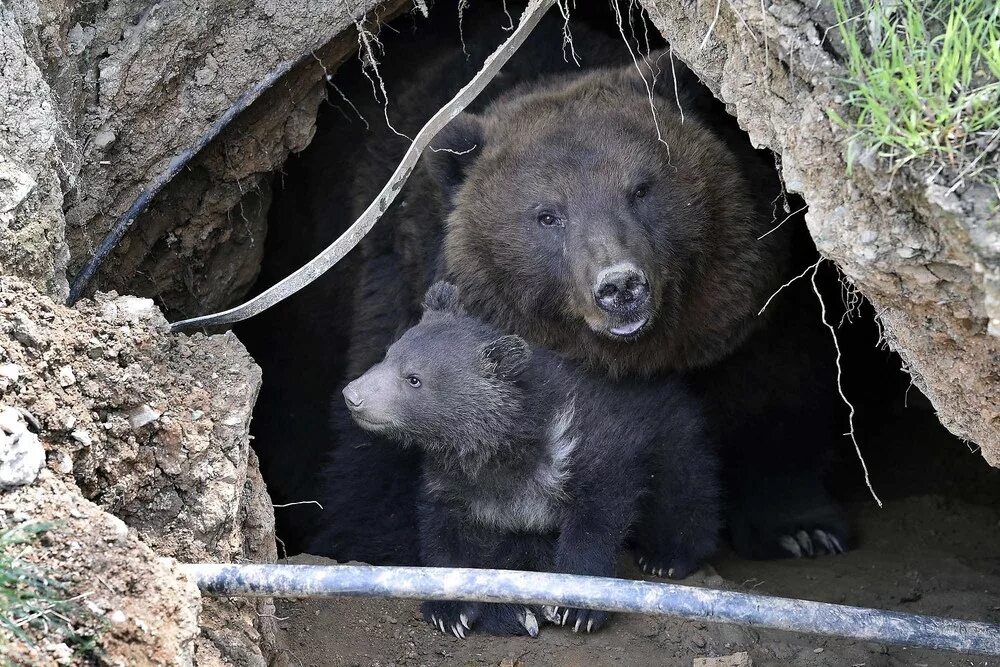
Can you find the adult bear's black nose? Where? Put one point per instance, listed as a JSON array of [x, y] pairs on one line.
[[621, 288]]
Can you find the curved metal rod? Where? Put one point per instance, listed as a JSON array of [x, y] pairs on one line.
[[566, 590], [334, 252]]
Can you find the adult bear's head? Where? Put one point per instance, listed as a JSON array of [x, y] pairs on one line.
[[578, 222]]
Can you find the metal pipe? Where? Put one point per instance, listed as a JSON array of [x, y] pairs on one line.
[[608, 594]]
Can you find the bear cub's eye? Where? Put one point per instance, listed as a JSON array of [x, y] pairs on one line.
[[413, 381], [549, 220], [641, 191]]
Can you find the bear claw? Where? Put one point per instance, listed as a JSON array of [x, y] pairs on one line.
[[817, 543], [530, 623]]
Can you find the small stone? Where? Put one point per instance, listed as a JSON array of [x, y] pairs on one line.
[[119, 529], [117, 617], [11, 421], [22, 457], [82, 437], [104, 139], [66, 377], [24, 331], [196, 415], [141, 416], [62, 462], [11, 371], [818, 650]]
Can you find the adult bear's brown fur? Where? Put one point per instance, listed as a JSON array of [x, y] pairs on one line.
[[559, 145]]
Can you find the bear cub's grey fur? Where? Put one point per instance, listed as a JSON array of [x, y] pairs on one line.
[[532, 463]]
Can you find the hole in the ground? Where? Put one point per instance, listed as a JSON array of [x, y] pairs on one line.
[[921, 553]]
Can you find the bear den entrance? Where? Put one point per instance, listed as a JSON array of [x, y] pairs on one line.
[[918, 554]]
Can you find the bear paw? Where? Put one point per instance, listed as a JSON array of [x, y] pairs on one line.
[[458, 618], [585, 620], [455, 618], [672, 567], [815, 542]]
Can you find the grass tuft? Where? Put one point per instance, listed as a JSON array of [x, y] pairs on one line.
[[34, 605], [924, 83]]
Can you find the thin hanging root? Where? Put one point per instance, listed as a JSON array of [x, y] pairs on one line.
[[811, 267], [353, 235], [639, 69], [368, 43], [840, 386]]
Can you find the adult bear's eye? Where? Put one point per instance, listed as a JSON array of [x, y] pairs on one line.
[[413, 381], [641, 191], [549, 220]]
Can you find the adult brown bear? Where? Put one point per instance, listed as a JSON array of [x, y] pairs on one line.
[[589, 215]]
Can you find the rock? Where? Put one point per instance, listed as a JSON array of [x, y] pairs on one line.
[[104, 139], [82, 437], [735, 660], [66, 377], [142, 415], [22, 457], [11, 421], [11, 372]]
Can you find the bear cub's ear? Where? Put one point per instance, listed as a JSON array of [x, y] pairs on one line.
[[443, 297], [506, 357], [453, 151]]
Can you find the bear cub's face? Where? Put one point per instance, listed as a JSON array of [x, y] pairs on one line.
[[443, 382]]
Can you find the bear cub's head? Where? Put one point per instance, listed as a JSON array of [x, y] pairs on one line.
[[449, 384]]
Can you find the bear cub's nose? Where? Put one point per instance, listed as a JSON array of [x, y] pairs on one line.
[[352, 396], [621, 289]]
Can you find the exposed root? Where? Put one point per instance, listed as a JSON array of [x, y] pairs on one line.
[[368, 46], [510, 19], [564, 9], [840, 386], [646, 82], [350, 104], [298, 502], [711, 26], [462, 5], [852, 299], [786, 219], [677, 92], [811, 267]]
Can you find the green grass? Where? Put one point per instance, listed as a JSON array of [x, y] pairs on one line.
[[924, 82], [32, 604]]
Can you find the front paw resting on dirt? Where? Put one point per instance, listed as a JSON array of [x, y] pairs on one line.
[[459, 618], [585, 620]]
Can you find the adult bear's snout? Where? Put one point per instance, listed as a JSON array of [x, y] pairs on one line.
[[621, 289]]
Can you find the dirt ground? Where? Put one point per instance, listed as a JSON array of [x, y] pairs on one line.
[[933, 549]]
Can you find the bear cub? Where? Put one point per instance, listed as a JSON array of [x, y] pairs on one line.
[[530, 462]]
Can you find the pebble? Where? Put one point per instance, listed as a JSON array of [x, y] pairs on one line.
[[142, 415], [117, 617], [11, 371], [11, 421], [66, 377], [82, 437]]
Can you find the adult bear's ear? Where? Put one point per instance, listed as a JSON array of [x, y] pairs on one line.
[[506, 357], [453, 150], [443, 297]]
